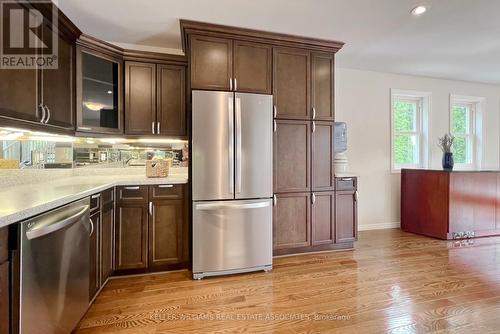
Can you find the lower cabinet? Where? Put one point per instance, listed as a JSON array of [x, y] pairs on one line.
[[315, 221], [292, 221], [323, 218], [151, 231], [346, 220], [94, 275], [4, 298], [166, 233], [101, 240], [131, 236], [107, 237]]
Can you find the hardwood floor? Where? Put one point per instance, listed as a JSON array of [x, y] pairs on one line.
[[393, 282]]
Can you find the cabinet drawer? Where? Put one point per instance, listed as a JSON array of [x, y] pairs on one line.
[[345, 183], [132, 193], [95, 202], [166, 191], [108, 196]]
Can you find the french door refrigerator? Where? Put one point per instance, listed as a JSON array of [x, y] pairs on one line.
[[232, 175]]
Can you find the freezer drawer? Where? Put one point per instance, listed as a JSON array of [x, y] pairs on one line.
[[231, 237]]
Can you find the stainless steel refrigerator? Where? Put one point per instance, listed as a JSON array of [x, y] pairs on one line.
[[232, 182]]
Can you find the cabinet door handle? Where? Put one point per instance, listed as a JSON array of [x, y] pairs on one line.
[[275, 200], [275, 126], [166, 186], [153, 127], [158, 128], [314, 113], [275, 109], [313, 126], [91, 227], [150, 208], [48, 114], [43, 112], [230, 83], [356, 194], [235, 84], [313, 198]]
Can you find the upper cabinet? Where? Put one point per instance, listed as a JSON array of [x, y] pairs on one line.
[[291, 76], [43, 97], [322, 89], [230, 65], [171, 100], [99, 92], [211, 63], [140, 98], [252, 67], [155, 99]]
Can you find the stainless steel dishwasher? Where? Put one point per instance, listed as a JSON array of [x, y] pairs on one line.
[[54, 269]]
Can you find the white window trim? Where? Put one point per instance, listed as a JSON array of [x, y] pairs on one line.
[[477, 129], [425, 123]]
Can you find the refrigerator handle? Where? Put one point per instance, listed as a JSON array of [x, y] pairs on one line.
[[231, 143], [238, 145]]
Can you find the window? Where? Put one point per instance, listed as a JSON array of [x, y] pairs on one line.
[[465, 125], [409, 129], [462, 128]]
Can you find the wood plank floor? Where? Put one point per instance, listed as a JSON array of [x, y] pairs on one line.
[[393, 282]]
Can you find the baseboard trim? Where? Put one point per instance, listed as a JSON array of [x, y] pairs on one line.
[[380, 226]]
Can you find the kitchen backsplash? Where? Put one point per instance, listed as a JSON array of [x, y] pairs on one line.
[[26, 150]]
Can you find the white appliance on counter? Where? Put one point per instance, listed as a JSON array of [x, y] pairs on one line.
[[232, 182]]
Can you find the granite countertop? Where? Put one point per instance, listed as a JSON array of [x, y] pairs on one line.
[[22, 202]]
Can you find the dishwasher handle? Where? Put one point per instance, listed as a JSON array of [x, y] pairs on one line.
[[56, 225]]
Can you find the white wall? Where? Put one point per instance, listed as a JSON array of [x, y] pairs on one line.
[[363, 101]]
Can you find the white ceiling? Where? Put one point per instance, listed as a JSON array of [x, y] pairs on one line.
[[455, 39]]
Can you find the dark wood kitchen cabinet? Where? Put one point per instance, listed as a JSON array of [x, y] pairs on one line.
[[107, 234], [322, 86], [166, 228], [291, 83], [99, 91], [252, 67], [322, 156], [94, 255], [44, 98], [140, 98], [131, 236], [151, 229], [346, 220], [4, 282], [155, 100], [292, 221], [292, 156], [58, 85], [323, 218], [211, 62], [230, 65], [171, 100]]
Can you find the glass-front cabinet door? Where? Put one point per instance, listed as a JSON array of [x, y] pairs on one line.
[[99, 92]]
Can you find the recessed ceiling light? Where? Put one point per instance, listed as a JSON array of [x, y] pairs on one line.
[[419, 10]]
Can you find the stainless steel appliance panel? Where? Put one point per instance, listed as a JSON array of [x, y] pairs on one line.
[[253, 146], [231, 236], [54, 270], [213, 145]]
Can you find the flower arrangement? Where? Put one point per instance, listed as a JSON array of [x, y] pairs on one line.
[[445, 143]]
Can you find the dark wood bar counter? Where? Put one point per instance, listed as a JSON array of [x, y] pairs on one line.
[[450, 205]]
